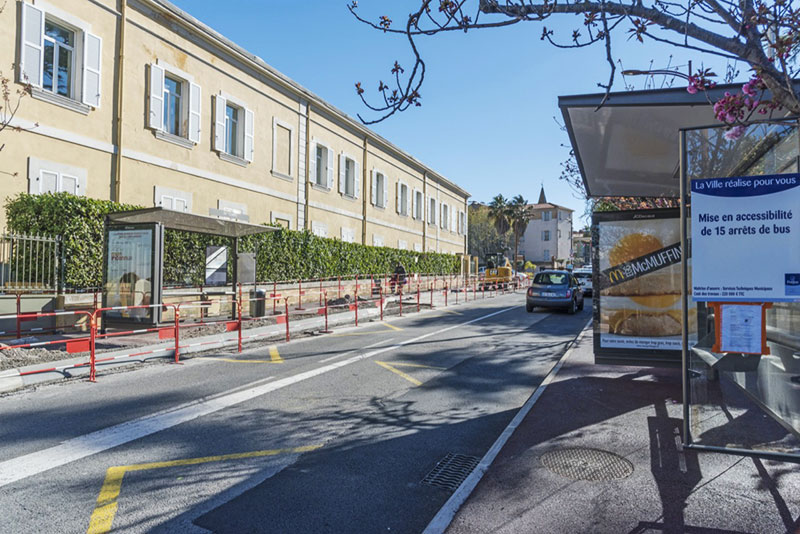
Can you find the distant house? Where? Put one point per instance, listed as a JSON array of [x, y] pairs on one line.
[[548, 237]]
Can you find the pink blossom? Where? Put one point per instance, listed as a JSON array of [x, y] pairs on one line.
[[734, 133]]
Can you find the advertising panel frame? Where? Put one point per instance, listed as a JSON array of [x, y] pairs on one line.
[[153, 316], [641, 357]]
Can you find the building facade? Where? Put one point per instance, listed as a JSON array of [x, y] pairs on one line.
[[548, 236], [138, 102]]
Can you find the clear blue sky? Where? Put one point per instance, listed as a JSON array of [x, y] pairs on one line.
[[489, 98]]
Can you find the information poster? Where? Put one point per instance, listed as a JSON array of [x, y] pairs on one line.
[[746, 239], [216, 266], [129, 271], [637, 281]]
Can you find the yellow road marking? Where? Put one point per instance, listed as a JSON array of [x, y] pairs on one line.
[[103, 515], [393, 327], [393, 368], [274, 356]]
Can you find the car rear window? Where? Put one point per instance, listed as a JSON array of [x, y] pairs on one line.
[[550, 279]]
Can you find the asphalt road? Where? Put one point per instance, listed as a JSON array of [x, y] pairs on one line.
[[331, 433]]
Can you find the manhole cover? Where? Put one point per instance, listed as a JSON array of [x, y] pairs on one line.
[[451, 471], [586, 464]]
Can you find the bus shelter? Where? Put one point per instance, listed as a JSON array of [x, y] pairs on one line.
[[712, 286], [133, 259]]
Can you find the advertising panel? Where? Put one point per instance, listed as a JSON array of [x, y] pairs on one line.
[[131, 272], [746, 239], [637, 287]]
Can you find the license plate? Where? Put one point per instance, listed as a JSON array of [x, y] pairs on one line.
[[548, 294]]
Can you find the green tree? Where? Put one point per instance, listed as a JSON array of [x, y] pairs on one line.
[[519, 215], [483, 236], [499, 212]]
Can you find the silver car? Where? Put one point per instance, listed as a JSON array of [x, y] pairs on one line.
[[554, 289]]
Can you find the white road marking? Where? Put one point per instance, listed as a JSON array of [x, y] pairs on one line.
[[336, 357], [80, 447], [445, 515]]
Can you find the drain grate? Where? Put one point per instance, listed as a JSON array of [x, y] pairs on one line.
[[587, 464], [451, 471]]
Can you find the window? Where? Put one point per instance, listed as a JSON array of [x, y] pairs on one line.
[[402, 199], [348, 176], [545, 235], [51, 177], [431, 210], [417, 247], [174, 105], [546, 254], [59, 58], [282, 149], [348, 235], [320, 172], [546, 216], [419, 205], [173, 199], [462, 224], [445, 217], [380, 189], [281, 219], [401, 244], [58, 70], [377, 241], [319, 229], [322, 163], [234, 130]]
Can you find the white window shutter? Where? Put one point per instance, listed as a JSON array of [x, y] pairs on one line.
[[69, 184], [92, 46], [454, 218], [385, 191], [195, 108], [31, 45], [397, 196], [312, 163], [356, 178], [48, 182], [374, 189], [330, 168], [342, 173], [220, 102], [249, 134], [414, 204], [156, 97]]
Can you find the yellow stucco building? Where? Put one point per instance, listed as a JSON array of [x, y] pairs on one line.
[[138, 102]]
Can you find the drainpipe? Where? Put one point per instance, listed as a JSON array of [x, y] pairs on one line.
[[306, 222], [365, 192], [115, 190]]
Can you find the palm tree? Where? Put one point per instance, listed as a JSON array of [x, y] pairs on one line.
[[499, 213], [519, 215]]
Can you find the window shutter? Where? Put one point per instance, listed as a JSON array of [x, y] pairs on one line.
[[195, 106], [249, 134], [397, 196], [31, 45], [156, 97], [69, 184], [414, 204], [312, 163], [330, 167], [91, 69], [385, 191], [48, 182], [454, 219], [374, 188], [356, 178], [441, 215], [342, 173], [219, 122]]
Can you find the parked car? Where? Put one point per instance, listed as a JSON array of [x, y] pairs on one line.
[[584, 276], [554, 289]]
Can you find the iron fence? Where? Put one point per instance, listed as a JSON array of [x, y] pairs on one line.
[[30, 263]]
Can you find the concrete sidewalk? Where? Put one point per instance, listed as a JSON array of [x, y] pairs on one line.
[[649, 484]]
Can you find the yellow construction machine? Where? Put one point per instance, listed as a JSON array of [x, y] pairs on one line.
[[498, 271]]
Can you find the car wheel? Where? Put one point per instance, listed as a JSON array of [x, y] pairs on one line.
[[529, 308], [571, 309]]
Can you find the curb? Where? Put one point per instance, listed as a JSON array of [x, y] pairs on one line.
[[10, 379]]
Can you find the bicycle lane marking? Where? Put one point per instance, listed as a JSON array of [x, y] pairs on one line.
[[74, 449]]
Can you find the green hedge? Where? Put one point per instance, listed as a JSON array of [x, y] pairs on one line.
[[282, 254]]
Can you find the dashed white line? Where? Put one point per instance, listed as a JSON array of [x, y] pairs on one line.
[[336, 357]]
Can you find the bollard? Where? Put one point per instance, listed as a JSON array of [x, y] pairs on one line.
[[339, 281], [432, 289], [417, 298], [380, 303], [356, 299], [178, 334], [320, 293], [286, 302], [274, 298], [326, 331], [445, 295], [401, 302], [299, 295]]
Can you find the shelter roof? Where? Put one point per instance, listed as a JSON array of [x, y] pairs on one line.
[[188, 222]]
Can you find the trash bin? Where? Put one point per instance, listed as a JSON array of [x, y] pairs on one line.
[[258, 303]]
